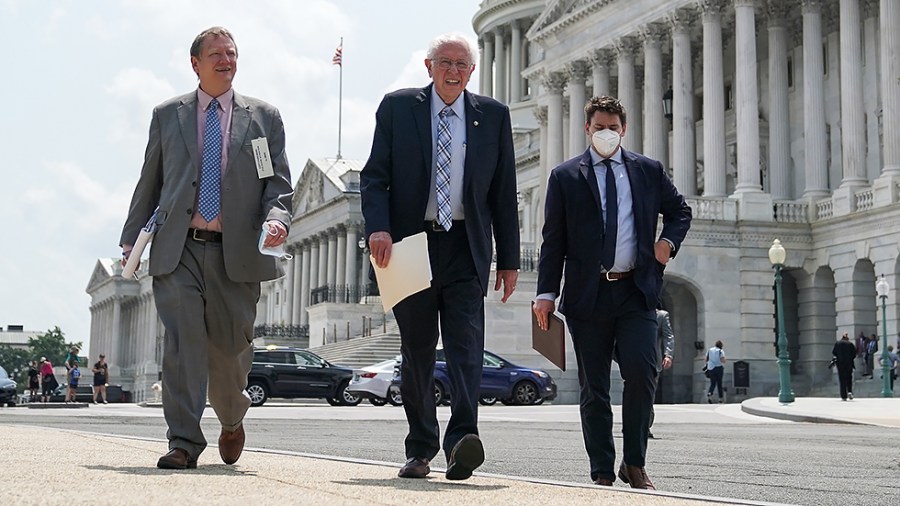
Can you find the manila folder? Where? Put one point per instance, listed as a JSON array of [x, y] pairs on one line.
[[550, 343]]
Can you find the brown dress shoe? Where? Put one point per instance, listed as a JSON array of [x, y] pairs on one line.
[[603, 482], [231, 444], [416, 467], [177, 458], [635, 476], [466, 456]]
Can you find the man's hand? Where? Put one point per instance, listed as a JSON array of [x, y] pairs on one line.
[[277, 234], [667, 362], [380, 244], [126, 252], [542, 308], [508, 279], [663, 251]]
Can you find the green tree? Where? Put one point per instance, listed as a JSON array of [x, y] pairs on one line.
[[15, 361], [51, 344]]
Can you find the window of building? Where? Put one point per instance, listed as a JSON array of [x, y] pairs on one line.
[[790, 71], [729, 96]]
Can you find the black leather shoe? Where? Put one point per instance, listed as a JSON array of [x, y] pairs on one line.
[[466, 456], [603, 482], [177, 458], [416, 467]]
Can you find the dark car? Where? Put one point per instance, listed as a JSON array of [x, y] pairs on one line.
[[7, 389], [500, 380], [294, 373]]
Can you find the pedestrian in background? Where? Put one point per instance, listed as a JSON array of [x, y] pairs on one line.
[[861, 343], [892, 356], [422, 177], [73, 376], [844, 351], [72, 356], [34, 381], [665, 347], [48, 380], [871, 349], [101, 378], [715, 365]]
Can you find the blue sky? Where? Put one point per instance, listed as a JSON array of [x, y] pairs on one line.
[[80, 81]]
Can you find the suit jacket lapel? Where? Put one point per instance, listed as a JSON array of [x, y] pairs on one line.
[[473, 119], [422, 114], [590, 178], [240, 125], [187, 118]]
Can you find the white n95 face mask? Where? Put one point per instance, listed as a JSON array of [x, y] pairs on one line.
[[605, 142]]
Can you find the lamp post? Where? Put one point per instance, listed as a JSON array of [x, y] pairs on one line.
[[883, 289], [667, 104], [785, 394]]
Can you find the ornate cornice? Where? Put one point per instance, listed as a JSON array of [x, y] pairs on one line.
[[540, 114], [625, 47], [681, 20], [601, 57], [777, 13], [711, 7], [652, 34], [578, 71], [554, 20], [554, 82]]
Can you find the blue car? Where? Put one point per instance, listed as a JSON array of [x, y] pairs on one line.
[[500, 380]]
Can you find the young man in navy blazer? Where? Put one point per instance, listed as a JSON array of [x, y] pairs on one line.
[[600, 231]]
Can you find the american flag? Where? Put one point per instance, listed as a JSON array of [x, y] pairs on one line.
[[338, 56]]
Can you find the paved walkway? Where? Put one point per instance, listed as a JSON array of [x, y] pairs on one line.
[[119, 470]]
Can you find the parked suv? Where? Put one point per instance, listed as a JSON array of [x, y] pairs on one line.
[[7, 389], [294, 373]]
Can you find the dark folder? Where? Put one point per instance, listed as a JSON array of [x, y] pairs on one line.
[[550, 343]]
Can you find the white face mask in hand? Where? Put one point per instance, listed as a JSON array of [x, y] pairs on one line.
[[605, 142], [275, 251]]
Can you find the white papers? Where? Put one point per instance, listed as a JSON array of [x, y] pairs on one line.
[[144, 238], [407, 272]]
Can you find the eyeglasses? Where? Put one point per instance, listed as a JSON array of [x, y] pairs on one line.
[[445, 64]]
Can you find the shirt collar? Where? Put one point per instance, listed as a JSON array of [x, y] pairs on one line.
[[458, 105], [205, 98], [616, 157]]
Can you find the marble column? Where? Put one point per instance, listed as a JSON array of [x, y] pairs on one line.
[[541, 114], [305, 274], [297, 287], [890, 83], [852, 125], [315, 281], [351, 255], [287, 305], [487, 58], [655, 141], [331, 270], [779, 117], [577, 73], [714, 165], [515, 62], [600, 72], [116, 334], [684, 158], [815, 149], [340, 267], [746, 97], [500, 58], [554, 84], [636, 113], [625, 49]]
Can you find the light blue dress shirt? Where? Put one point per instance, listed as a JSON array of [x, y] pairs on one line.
[[457, 122]]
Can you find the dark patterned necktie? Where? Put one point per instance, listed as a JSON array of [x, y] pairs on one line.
[[611, 227], [442, 174]]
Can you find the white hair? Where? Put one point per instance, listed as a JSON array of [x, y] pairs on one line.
[[452, 38]]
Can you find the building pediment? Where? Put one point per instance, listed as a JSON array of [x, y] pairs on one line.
[[325, 179], [561, 13], [103, 272]]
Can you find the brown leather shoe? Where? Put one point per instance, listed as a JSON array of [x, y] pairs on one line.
[[231, 444], [603, 482], [635, 476], [466, 456], [416, 467], [177, 458]]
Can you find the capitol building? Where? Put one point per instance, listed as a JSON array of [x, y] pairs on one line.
[[777, 119]]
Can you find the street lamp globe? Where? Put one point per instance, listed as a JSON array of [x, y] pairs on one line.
[[777, 254], [882, 287]]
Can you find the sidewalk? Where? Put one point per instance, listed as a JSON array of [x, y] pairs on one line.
[[869, 411], [101, 469]]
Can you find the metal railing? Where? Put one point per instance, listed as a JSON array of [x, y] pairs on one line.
[[278, 330], [342, 294]]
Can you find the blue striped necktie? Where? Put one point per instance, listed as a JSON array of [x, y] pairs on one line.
[[442, 174], [211, 166]]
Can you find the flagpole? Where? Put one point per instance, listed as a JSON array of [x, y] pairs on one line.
[[340, 97]]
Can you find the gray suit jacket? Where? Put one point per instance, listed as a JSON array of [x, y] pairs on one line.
[[665, 336], [171, 173]]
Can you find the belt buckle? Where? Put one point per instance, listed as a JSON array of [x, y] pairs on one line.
[[609, 278], [194, 235], [436, 227]]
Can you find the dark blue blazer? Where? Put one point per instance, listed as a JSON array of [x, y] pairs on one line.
[[573, 230], [395, 182]]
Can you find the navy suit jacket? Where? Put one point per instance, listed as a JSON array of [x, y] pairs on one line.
[[573, 230], [396, 180]]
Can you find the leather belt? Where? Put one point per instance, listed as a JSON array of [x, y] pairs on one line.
[[204, 235], [434, 226], [615, 276]]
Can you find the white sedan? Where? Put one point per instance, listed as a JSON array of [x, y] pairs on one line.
[[374, 383]]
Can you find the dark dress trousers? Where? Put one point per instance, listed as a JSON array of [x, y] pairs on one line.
[[394, 185], [607, 317]]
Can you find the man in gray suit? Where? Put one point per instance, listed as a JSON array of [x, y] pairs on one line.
[[214, 200], [665, 346]]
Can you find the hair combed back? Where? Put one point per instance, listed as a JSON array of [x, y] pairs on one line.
[[604, 103], [451, 38], [216, 31]]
